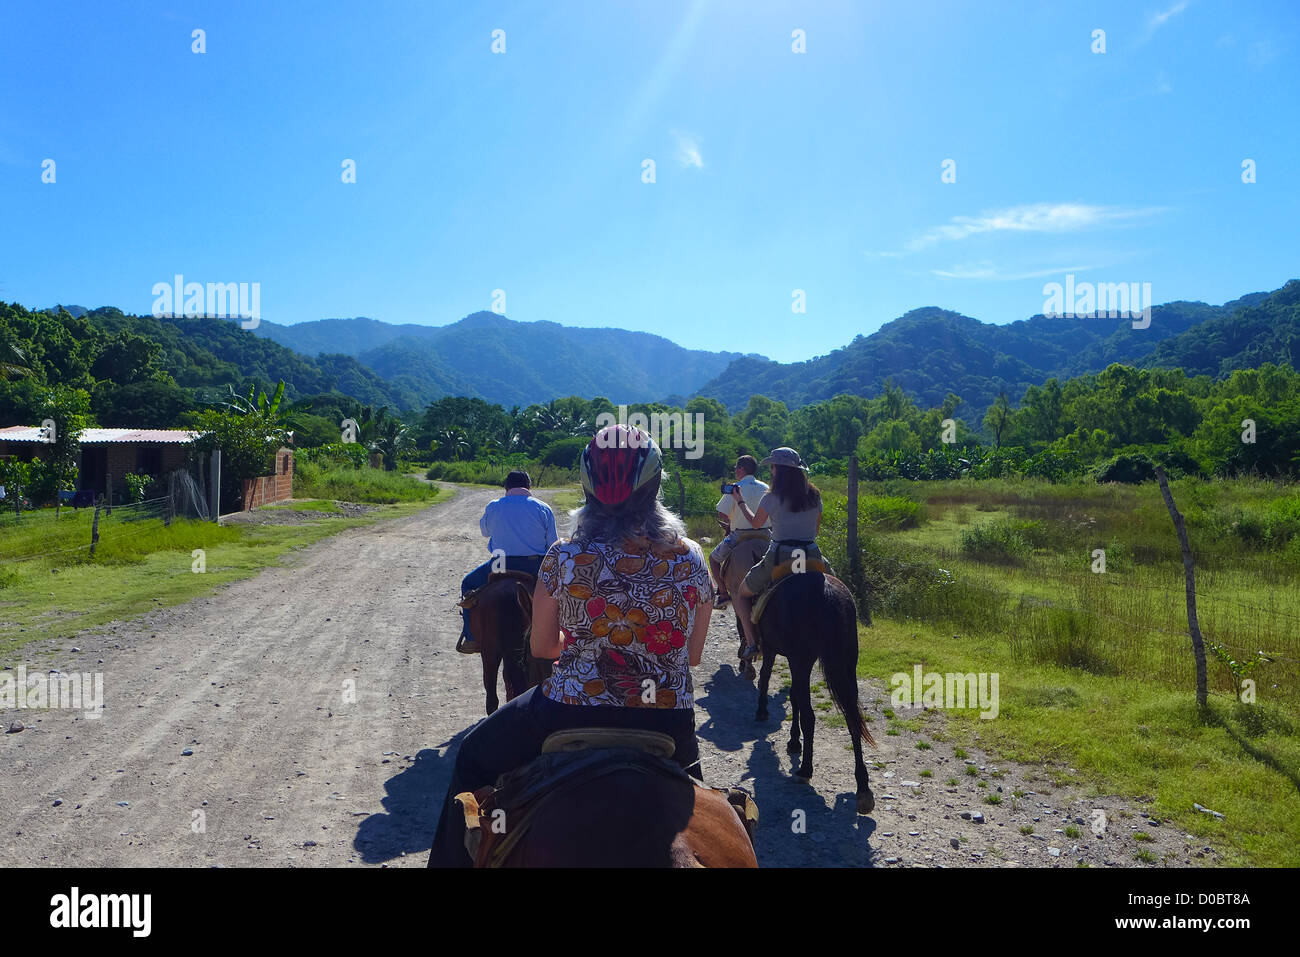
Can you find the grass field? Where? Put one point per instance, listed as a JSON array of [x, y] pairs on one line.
[[1096, 667], [50, 585], [373, 486]]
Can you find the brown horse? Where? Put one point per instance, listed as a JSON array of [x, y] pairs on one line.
[[745, 555], [499, 620], [811, 617], [627, 810]]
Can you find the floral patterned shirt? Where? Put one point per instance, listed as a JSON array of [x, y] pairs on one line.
[[627, 612]]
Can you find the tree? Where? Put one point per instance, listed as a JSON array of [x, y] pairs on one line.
[[998, 417]]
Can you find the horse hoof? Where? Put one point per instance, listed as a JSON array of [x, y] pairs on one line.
[[793, 747], [761, 716], [804, 773], [866, 802]]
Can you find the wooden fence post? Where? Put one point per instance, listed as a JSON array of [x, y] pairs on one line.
[[853, 516], [214, 487], [856, 584], [1189, 574], [94, 527]]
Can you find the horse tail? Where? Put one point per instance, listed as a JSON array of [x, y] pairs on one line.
[[839, 663]]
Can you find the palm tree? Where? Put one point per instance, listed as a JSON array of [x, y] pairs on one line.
[[272, 410], [15, 369]]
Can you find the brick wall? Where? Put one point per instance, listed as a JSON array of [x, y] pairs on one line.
[[271, 488]]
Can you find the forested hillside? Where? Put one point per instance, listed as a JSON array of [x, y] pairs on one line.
[[500, 360], [931, 352]]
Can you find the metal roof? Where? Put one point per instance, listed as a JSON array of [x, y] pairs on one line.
[[31, 433]]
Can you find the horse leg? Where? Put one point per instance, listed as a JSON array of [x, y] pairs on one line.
[[802, 711], [511, 669], [763, 677], [840, 665], [489, 644]]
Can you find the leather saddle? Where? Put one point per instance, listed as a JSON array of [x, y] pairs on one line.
[[525, 579], [570, 759]]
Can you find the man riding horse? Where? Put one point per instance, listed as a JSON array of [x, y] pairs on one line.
[[624, 606], [739, 528], [519, 527]]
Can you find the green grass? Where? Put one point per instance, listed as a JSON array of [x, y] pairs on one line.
[[375, 486], [1124, 736], [564, 501], [1095, 668], [51, 587]]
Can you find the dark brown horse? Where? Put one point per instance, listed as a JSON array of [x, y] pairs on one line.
[[499, 620], [810, 618], [630, 813]]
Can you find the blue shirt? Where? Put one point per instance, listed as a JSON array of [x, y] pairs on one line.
[[519, 525]]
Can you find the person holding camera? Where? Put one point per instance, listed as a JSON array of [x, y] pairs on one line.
[[794, 508], [739, 527]]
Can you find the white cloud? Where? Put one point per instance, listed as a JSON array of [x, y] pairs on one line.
[[688, 150], [989, 271], [1029, 218], [1158, 20]]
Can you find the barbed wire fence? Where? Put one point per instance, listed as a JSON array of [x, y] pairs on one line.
[[77, 535]]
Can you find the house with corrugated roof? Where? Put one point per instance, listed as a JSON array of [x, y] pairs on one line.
[[105, 452]]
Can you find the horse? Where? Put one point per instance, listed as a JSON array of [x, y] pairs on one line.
[[499, 619], [811, 617], [626, 809]]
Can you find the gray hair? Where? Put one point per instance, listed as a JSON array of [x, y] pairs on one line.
[[656, 523]]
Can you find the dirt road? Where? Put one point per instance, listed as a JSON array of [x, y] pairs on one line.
[[322, 703]]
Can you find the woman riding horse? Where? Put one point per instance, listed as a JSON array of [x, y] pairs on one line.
[[794, 506], [625, 606]]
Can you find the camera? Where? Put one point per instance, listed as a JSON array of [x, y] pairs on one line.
[[727, 488]]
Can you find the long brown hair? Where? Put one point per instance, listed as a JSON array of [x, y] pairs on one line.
[[792, 487]]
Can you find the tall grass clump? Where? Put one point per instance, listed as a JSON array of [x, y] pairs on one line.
[[374, 486], [1004, 542]]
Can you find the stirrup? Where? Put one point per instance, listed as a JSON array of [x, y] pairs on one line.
[[749, 653]]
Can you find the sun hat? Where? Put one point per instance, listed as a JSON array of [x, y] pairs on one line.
[[785, 456]]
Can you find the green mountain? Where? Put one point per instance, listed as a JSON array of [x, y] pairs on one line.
[[930, 352], [1265, 330], [500, 360]]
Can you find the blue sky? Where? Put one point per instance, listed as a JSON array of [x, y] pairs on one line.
[[775, 170]]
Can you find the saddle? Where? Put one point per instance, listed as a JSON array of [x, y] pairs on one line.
[[780, 574], [570, 759], [525, 579]]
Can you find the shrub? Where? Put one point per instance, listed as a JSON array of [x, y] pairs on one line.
[[1003, 542], [564, 453], [892, 512], [1130, 468], [351, 454], [136, 486]]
